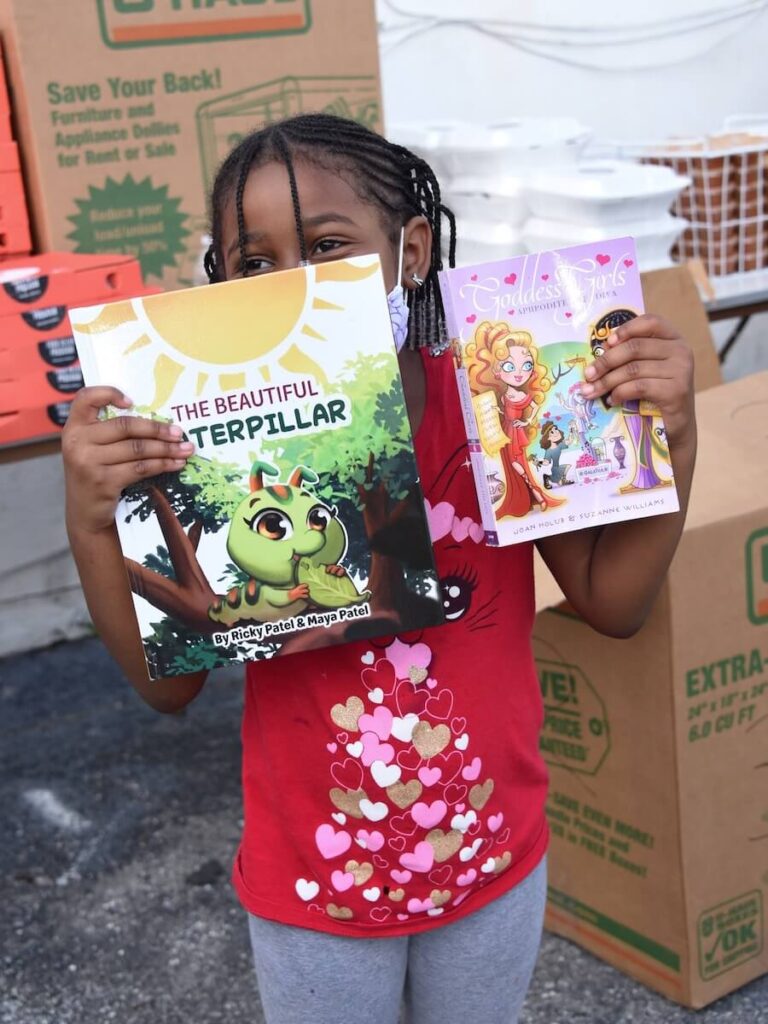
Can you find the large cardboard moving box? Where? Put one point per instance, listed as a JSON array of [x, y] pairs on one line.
[[127, 107], [658, 745]]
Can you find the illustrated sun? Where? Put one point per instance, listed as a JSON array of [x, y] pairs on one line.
[[213, 333]]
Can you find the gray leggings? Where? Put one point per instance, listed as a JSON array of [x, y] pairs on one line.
[[477, 969]]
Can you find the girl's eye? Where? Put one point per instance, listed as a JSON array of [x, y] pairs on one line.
[[255, 265], [527, 365], [318, 518], [325, 245], [271, 524], [508, 366]]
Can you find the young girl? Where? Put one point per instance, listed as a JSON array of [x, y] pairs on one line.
[[425, 881]]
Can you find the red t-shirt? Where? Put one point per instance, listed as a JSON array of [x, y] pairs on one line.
[[396, 784]]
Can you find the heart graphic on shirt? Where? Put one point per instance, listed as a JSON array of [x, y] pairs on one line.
[[380, 913], [306, 890], [346, 715], [472, 771], [458, 725], [340, 913], [385, 775], [417, 674], [471, 318], [331, 843], [331, 747], [488, 866], [339, 818], [440, 897], [419, 859], [469, 851], [429, 815], [474, 828], [435, 912], [372, 841], [380, 862], [494, 821], [410, 699], [342, 880], [354, 749], [430, 741], [439, 876], [380, 677], [401, 877], [455, 793], [503, 837], [348, 774], [445, 844], [409, 758], [440, 704], [403, 794], [396, 895], [510, 279], [348, 801], [467, 878], [429, 776], [402, 728], [374, 811], [379, 723], [502, 863], [403, 824], [368, 658], [480, 795], [461, 742], [373, 750], [462, 822], [342, 737], [397, 843], [376, 695], [417, 906], [460, 898], [450, 764], [372, 894], [402, 917], [602, 259], [360, 872], [460, 808]]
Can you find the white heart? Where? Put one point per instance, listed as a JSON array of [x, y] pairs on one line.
[[355, 749], [306, 890], [488, 867], [468, 852], [461, 742], [461, 822], [339, 817], [376, 695], [435, 912], [368, 658], [385, 774], [402, 728], [372, 894], [373, 812]]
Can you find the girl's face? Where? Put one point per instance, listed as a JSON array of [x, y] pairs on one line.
[[517, 368], [556, 435], [337, 223]]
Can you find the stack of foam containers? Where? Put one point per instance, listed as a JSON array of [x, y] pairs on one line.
[[599, 199], [483, 172]]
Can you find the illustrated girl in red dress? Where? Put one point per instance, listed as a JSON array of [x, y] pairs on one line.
[[506, 362]]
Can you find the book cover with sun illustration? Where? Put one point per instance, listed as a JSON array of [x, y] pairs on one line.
[[299, 521], [546, 459]]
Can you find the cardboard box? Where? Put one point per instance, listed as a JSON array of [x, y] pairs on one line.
[[658, 745], [35, 358], [64, 279], [5, 104], [33, 424], [120, 144]]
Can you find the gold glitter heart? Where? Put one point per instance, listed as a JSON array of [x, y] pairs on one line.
[[503, 862], [340, 913], [348, 800], [480, 795], [429, 741], [396, 895], [362, 872], [347, 715], [404, 793], [445, 844], [439, 897], [417, 675]]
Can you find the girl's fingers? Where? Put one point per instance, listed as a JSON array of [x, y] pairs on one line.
[[88, 403], [632, 350], [643, 373], [121, 428], [657, 391], [645, 326], [140, 449], [130, 473]]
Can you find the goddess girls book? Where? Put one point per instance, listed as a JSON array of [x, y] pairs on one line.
[[299, 521], [545, 459]]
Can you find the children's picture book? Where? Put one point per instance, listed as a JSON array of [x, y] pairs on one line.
[[299, 521], [546, 459]]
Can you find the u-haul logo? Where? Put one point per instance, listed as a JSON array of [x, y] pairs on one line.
[[162, 22], [757, 577]]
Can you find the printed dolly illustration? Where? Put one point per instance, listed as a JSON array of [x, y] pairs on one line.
[[290, 543], [412, 826]]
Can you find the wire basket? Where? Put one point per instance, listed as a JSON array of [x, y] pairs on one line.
[[726, 203]]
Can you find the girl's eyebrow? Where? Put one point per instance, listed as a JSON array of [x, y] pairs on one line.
[[324, 218], [251, 236]]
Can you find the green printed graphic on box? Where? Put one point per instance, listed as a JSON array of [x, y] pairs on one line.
[[757, 577], [131, 23], [136, 218], [726, 694], [575, 733], [730, 934], [222, 123]]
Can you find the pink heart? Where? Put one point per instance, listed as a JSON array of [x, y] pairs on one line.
[[372, 841], [428, 815], [401, 877], [474, 828], [380, 862], [375, 751], [494, 822], [347, 774], [441, 875], [471, 318], [342, 880], [380, 723], [342, 737], [473, 278], [568, 316], [331, 747], [410, 758], [454, 794], [381, 676], [629, 263], [403, 824], [471, 771], [331, 843], [460, 898], [476, 533], [421, 858], [458, 725], [460, 808], [420, 906], [467, 878], [429, 776], [402, 917], [380, 913], [440, 519], [397, 843], [510, 312], [504, 837], [545, 277], [602, 259], [431, 683], [510, 279], [451, 766], [441, 704]]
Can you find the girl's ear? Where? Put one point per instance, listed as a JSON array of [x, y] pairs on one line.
[[417, 252]]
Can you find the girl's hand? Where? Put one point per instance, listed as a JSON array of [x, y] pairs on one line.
[[647, 359], [102, 457]]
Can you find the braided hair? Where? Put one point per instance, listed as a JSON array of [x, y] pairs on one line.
[[398, 182]]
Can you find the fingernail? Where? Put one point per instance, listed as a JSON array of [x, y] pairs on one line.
[[608, 400], [175, 431], [612, 339], [186, 446], [587, 389], [590, 373]]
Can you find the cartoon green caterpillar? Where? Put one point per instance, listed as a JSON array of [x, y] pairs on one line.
[[290, 543]]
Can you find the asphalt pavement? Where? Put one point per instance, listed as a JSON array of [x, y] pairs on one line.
[[119, 826]]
